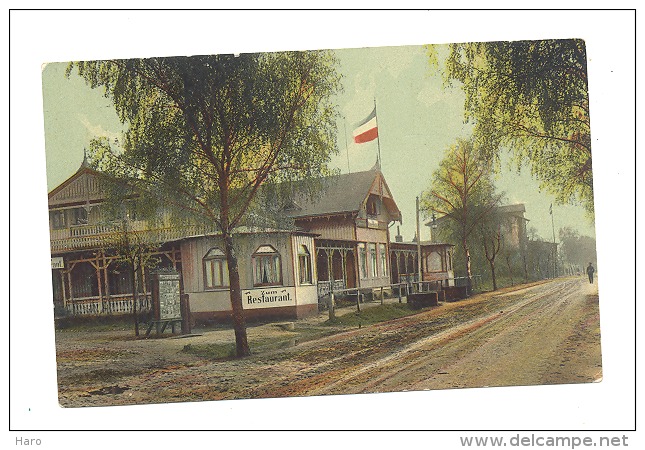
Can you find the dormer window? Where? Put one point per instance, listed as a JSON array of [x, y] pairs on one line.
[[372, 207]]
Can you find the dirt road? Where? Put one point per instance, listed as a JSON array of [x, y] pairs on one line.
[[544, 334]]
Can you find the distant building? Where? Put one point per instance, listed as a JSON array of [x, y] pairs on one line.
[[513, 226], [511, 220]]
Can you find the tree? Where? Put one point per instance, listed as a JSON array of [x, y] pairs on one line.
[[205, 133], [136, 252], [576, 249], [463, 192], [491, 239], [531, 97]]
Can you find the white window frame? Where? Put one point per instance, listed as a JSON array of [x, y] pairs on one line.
[[215, 259], [266, 257]]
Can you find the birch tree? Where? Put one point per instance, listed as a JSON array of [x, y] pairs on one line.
[[530, 97], [205, 133], [462, 193]]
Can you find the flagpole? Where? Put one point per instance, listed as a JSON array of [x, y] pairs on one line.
[[378, 140], [555, 250], [346, 147]]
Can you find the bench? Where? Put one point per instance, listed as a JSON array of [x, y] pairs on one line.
[[165, 323]]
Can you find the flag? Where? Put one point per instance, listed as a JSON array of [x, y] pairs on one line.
[[366, 130]]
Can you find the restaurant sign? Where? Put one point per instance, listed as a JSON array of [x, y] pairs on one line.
[[269, 297]]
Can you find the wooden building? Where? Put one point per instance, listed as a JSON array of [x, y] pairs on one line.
[[436, 262], [277, 275], [351, 220], [340, 240], [88, 277]]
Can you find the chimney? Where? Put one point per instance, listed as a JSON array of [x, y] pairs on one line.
[[398, 237]]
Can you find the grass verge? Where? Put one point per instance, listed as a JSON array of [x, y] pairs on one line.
[[369, 316], [215, 352]]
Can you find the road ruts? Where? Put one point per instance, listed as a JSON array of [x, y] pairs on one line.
[[550, 335]]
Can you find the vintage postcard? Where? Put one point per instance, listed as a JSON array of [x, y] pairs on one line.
[[307, 223]]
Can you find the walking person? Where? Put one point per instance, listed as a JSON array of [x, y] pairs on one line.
[[590, 272]]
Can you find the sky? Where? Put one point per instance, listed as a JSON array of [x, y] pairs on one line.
[[418, 118]]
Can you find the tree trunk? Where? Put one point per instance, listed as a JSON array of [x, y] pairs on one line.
[[468, 271], [510, 271], [135, 299], [492, 274], [239, 323]]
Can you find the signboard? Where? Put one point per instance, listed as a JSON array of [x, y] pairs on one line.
[[269, 297], [57, 262], [372, 223], [168, 294]]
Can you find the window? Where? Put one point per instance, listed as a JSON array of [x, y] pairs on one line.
[[58, 219], [79, 216], [371, 207], [372, 252], [215, 269], [433, 262], [304, 265], [362, 261], [383, 258], [267, 270]]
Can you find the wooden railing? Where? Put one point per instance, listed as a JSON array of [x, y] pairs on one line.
[[90, 230], [91, 306], [94, 236], [325, 287]]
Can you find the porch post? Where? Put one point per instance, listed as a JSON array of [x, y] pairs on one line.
[[343, 255], [62, 284], [69, 286], [106, 263], [143, 287], [97, 267]]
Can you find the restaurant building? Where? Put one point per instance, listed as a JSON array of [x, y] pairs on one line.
[[337, 241]]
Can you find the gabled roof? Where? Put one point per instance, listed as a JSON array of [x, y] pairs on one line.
[[81, 186], [85, 185], [517, 210], [342, 194]]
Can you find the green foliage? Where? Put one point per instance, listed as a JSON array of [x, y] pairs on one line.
[[131, 248], [577, 250], [205, 132], [531, 97], [463, 193]]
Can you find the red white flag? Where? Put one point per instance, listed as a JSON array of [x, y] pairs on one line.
[[367, 129]]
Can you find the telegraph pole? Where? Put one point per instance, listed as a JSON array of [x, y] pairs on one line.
[[419, 245], [555, 248]]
